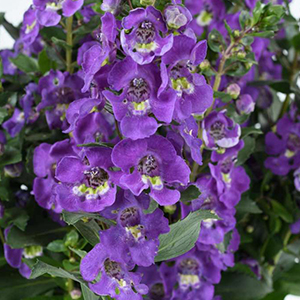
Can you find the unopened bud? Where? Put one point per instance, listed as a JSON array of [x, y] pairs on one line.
[[147, 2], [236, 33], [241, 54], [245, 105], [233, 90], [170, 209], [75, 294], [205, 65], [14, 170]]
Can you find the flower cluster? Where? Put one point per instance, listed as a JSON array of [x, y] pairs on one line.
[[146, 122]]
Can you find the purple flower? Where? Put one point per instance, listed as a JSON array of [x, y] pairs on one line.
[[138, 98], [15, 124], [58, 90], [297, 179], [135, 233], [27, 101], [87, 182], [154, 163], [116, 280], [177, 17], [47, 10], [8, 67], [144, 41], [2, 142], [284, 146], [245, 104], [210, 13], [30, 27], [220, 132], [14, 170], [45, 161], [189, 131], [97, 53], [295, 227], [188, 273], [193, 94]]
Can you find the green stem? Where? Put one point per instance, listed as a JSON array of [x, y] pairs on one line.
[[286, 102], [2, 237], [69, 41]]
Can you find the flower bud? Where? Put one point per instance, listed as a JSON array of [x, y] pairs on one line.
[[14, 170], [170, 209], [233, 90], [245, 105], [111, 6], [176, 16], [147, 2], [75, 294], [205, 65]]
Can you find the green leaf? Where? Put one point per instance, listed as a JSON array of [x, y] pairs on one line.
[[45, 64], [10, 156], [247, 205], [60, 43], [72, 218], [89, 230], [88, 294], [246, 152], [216, 41], [3, 114], [12, 30], [15, 287], [99, 144], [257, 11], [263, 34], [282, 212], [15, 216], [296, 42], [189, 194], [41, 268], [223, 96], [233, 285], [250, 130], [71, 238], [182, 236], [57, 246], [41, 235], [244, 19], [80, 253], [25, 63]]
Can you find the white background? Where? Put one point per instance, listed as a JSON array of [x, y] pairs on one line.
[[14, 10]]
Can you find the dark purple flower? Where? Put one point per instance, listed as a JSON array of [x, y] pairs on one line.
[[97, 54], [45, 161], [188, 273], [220, 132], [116, 280], [245, 104], [138, 98], [87, 182], [177, 17], [284, 146], [144, 41], [58, 90], [2, 210], [152, 278], [27, 102], [47, 10], [154, 163], [2, 142], [135, 233], [15, 124], [193, 94], [253, 264], [189, 131]]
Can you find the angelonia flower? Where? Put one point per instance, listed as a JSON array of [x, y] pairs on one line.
[[283, 146], [120, 122]]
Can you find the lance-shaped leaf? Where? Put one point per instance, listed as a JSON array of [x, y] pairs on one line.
[[182, 235]]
